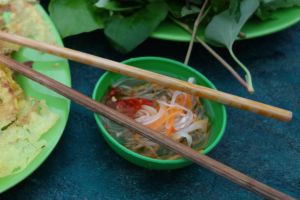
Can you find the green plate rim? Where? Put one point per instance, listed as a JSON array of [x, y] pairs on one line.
[[163, 35]]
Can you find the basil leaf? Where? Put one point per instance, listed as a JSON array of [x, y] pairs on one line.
[[126, 33], [72, 17]]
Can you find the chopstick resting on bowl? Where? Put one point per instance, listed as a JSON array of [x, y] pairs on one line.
[[185, 151], [173, 83]]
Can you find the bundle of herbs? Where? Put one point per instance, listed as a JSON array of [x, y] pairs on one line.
[[128, 23]]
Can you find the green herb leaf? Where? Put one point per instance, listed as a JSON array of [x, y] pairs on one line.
[[102, 3], [72, 17], [197, 2], [126, 33], [189, 10], [218, 5], [175, 8], [116, 5], [180, 9], [277, 4], [234, 9], [264, 12], [224, 29]]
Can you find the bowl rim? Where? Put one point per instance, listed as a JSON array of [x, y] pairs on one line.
[[139, 156]]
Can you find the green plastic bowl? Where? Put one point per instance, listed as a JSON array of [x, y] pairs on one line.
[[215, 111]]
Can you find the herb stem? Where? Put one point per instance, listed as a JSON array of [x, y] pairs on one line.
[[195, 29], [247, 72], [214, 53]]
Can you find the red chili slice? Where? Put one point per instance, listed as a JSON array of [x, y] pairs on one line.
[[128, 106]]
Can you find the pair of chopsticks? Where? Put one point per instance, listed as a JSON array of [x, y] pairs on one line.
[[188, 153], [102, 63]]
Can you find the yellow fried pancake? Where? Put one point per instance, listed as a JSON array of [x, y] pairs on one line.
[[22, 18], [8, 101], [21, 142], [23, 120]]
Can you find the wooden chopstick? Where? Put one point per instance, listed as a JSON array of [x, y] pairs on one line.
[[204, 92], [187, 152]]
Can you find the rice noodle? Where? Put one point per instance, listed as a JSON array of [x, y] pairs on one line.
[[172, 105], [185, 131], [184, 121], [145, 120], [175, 114], [150, 109], [174, 97], [191, 80]]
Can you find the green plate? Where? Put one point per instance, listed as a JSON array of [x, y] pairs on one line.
[[254, 28], [58, 69]]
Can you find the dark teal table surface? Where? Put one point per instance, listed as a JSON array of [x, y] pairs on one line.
[[82, 166]]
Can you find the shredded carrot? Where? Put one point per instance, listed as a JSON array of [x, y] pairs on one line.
[[173, 112], [159, 122], [185, 100], [167, 118], [171, 130], [170, 114], [188, 101]]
